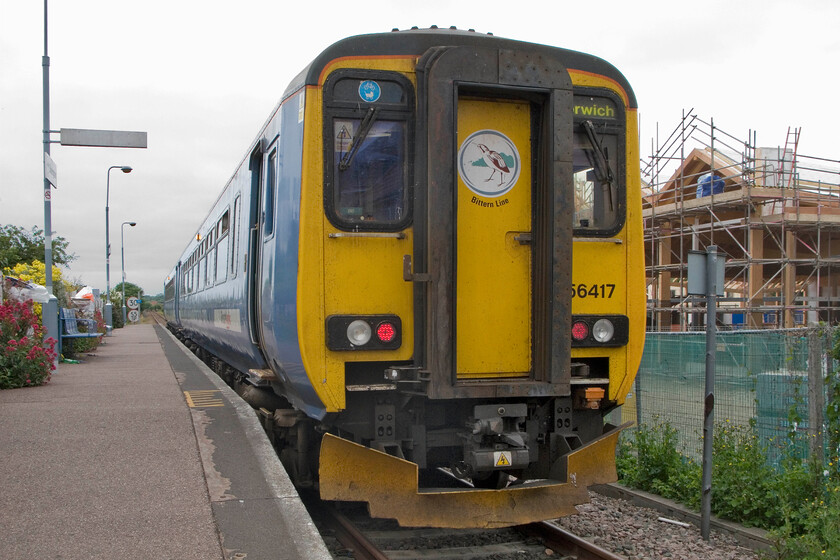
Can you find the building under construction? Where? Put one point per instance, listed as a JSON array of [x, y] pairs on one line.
[[773, 213]]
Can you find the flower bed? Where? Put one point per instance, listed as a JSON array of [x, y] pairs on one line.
[[26, 359]]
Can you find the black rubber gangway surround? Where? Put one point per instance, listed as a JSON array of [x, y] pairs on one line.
[[417, 41]]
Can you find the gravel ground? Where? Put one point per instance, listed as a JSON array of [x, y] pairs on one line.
[[633, 532], [636, 533]]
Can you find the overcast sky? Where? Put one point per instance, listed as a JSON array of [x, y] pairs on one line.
[[201, 78]]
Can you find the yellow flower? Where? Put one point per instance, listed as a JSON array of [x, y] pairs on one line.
[[34, 272]]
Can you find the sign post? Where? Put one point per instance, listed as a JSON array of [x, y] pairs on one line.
[[706, 277], [69, 137], [133, 304]]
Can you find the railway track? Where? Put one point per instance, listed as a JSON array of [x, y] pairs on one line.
[[156, 317], [363, 538]]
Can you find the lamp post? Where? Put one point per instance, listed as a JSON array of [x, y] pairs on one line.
[[122, 251], [109, 323]]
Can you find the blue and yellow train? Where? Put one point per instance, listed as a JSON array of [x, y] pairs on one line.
[[430, 261]]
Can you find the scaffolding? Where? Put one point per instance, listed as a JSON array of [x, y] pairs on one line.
[[772, 212]]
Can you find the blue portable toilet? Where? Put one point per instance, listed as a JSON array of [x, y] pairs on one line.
[[709, 184]]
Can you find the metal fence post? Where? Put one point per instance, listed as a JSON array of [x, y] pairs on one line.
[[709, 401], [816, 398]]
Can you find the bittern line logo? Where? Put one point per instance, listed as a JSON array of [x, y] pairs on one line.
[[488, 163]]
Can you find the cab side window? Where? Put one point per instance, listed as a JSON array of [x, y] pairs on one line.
[[368, 163], [598, 160]]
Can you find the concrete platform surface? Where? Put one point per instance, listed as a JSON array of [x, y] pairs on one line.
[[142, 452]]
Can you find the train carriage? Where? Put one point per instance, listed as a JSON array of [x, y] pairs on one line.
[[430, 260]]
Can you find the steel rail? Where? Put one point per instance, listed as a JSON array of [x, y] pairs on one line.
[[561, 540], [350, 536]]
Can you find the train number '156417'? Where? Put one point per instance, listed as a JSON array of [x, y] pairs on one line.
[[593, 290]]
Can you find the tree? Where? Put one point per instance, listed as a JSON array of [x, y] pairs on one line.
[[131, 290], [18, 245]]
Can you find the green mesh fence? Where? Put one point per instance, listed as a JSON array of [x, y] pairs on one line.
[[760, 375]]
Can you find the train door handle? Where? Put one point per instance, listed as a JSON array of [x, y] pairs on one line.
[[409, 276], [523, 238]]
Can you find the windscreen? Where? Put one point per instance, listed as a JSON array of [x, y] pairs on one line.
[[368, 139], [597, 158], [369, 171]]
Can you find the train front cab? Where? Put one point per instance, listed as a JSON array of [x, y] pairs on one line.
[[511, 190]]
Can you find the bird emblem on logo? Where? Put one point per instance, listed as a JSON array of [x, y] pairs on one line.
[[495, 162], [489, 163]]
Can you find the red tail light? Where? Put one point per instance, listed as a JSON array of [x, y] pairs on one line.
[[386, 332], [580, 330]]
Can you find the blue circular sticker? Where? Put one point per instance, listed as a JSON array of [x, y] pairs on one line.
[[369, 91]]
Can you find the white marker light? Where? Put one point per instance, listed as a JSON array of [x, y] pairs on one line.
[[603, 330], [358, 333]]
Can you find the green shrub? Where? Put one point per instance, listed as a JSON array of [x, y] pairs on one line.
[[652, 462], [799, 502], [72, 347], [816, 534], [744, 487]]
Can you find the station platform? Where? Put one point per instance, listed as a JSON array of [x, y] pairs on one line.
[[142, 452]]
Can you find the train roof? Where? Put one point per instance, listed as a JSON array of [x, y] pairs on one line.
[[415, 42], [418, 41]]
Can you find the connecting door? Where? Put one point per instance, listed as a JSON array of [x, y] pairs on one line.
[[493, 239]]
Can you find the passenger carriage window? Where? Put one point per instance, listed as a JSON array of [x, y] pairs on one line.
[[368, 164], [234, 249], [270, 188], [202, 266], [221, 250], [224, 223], [222, 259], [191, 273], [598, 161], [211, 265]]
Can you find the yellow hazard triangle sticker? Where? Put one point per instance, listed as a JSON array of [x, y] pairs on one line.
[[501, 458]]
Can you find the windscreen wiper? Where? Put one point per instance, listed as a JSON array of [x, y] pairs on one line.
[[364, 129], [603, 172]]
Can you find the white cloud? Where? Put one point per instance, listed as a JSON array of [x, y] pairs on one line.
[[201, 79]]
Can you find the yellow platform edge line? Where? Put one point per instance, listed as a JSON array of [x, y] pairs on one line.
[[202, 399]]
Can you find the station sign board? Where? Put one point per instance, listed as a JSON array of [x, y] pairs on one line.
[[103, 138]]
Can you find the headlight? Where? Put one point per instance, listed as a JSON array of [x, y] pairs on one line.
[[603, 330], [358, 333]]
